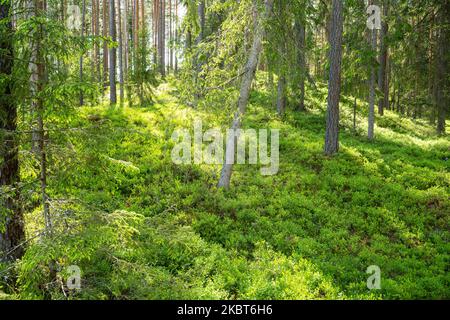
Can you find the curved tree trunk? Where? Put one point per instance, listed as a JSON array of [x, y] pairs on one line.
[[250, 70]]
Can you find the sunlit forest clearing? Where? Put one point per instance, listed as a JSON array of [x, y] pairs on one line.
[[89, 184]]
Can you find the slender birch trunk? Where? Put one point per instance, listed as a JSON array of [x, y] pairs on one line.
[[247, 80]]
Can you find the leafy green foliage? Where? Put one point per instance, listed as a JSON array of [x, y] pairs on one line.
[[140, 227]]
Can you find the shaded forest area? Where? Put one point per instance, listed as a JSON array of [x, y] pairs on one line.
[[94, 206]]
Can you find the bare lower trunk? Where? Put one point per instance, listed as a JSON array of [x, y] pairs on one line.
[[121, 75], [442, 68], [12, 219], [372, 91], [383, 60], [334, 84], [38, 81], [281, 97], [162, 37], [301, 54], [112, 53], [250, 70], [105, 43], [83, 18]]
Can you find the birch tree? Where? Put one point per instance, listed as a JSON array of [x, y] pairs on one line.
[[244, 93]]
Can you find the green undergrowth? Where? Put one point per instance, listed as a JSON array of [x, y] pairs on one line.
[[141, 227]]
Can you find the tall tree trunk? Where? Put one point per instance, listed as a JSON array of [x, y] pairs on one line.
[[281, 95], [112, 53], [431, 73], [383, 60], [176, 37], [162, 37], [96, 34], [83, 26], [442, 66], [372, 89], [247, 80], [11, 221], [121, 75], [143, 36], [93, 77], [105, 43], [155, 17], [334, 83], [198, 64], [170, 67], [128, 56], [300, 33], [37, 85]]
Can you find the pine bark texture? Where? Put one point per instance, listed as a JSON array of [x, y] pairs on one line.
[[334, 84], [11, 222]]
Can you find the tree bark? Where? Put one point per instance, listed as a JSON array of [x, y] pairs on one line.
[[162, 37], [334, 83], [121, 74], [383, 102], [83, 26], [105, 43], [442, 67], [176, 37], [301, 56], [371, 124], [112, 53], [11, 222], [281, 96], [247, 80], [38, 80]]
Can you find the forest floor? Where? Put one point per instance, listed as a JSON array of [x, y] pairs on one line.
[[155, 230]]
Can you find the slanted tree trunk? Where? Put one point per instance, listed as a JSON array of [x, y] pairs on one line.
[[112, 53], [247, 80], [11, 221], [334, 83]]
